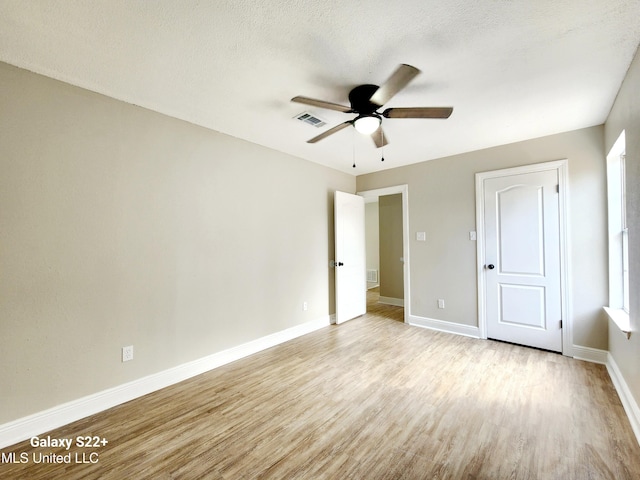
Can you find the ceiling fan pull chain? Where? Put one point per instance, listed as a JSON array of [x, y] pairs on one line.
[[382, 143], [354, 148]]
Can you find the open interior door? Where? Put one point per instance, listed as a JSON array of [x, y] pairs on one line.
[[350, 261]]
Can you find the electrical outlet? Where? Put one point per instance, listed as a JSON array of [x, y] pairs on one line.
[[305, 306], [440, 303], [127, 353]]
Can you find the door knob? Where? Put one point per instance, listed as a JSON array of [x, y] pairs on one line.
[[491, 266], [340, 264]]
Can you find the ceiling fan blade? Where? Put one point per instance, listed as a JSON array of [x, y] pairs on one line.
[[379, 138], [331, 131], [396, 82], [321, 104], [418, 112]]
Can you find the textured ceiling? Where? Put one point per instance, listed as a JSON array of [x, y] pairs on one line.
[[513, 69]]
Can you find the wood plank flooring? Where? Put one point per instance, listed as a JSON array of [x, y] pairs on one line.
[[376, 309], [373, 398]]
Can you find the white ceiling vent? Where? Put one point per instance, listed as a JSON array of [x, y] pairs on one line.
[[307, 117]]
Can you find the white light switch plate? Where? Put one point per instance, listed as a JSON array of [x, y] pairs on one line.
[[421, 236]]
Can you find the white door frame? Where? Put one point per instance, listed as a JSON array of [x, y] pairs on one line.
[[561, 166], [404, 190]]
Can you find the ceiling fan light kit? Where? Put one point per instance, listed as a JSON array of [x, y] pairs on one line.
[[367, 124], [365, 101]]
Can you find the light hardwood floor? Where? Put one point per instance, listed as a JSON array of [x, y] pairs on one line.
[[376, 309], [373, 398]]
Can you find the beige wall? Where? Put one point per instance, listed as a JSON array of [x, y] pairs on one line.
[[391, 268], [372, 238], [442, 204], [122, 226], [625, 115]]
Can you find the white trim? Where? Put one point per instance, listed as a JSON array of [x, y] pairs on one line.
[[397, 302], [588, 354], [38, 423], [561, 166], [626, 397], [565, 264], [615, 225], [620, 319], [443, 326], [404, 190]]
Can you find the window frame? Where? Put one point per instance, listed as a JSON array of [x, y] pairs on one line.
[[624, 232], [617, 228]]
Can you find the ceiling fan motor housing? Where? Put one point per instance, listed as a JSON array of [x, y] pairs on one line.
[[360, 99]]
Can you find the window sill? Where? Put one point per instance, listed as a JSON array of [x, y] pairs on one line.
[[620, 318]]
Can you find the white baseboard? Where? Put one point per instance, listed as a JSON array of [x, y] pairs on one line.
[[41, 422], [589, 354], [398, 302], [442, 326], [628, 402]]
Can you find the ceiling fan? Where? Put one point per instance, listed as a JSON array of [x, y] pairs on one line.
[[365, 101]]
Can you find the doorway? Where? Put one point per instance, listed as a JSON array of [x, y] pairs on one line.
[[388, 268], [521, 223]]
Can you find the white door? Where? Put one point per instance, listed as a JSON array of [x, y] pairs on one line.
[[351, 277], [522, 259]]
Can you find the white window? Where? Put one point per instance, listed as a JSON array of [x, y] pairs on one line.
[[625, 236], [618, 232]]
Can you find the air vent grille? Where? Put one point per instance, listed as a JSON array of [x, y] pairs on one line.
[[372, 276], [312, 120]]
